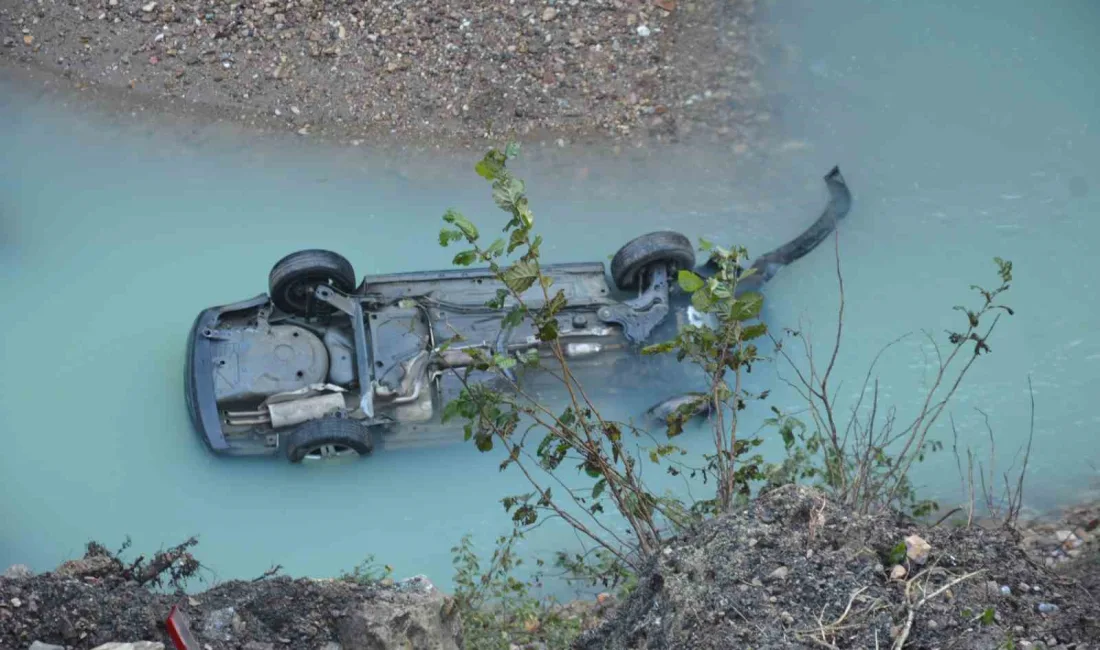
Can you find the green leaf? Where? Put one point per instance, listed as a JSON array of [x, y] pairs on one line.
[[548, 330], [523, 212], [514, 316], [556, 304], [512, 150], [507, 192], [702, 300], [484, 442], [520, 276], [754, 331], [496, 248], [504, 362], [465, 258], [451, 409], [447, 235], [747, 306], [517, 239], [689, 281], [598, 489], [1004, 269], [462, 223], [491, 165], [705, 245], [498, 301]]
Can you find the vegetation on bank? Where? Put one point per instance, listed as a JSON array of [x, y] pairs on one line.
[[862, 460]]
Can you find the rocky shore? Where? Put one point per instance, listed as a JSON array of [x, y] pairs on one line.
[[792, 570], [429, 71]]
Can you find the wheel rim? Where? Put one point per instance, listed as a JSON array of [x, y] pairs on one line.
[[328, 452]]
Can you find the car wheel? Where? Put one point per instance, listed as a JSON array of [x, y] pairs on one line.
[[293, 279], [662, 247], [328, 439]]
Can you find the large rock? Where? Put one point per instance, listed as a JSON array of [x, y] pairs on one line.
[[414, 615], [222, 625], [90, 566]]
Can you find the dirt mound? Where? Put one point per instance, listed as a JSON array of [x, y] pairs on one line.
[[793, 570], [88, 602]]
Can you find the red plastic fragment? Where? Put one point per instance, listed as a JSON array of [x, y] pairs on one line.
[[179, 630]]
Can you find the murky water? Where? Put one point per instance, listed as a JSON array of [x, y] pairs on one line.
[[965, 133]]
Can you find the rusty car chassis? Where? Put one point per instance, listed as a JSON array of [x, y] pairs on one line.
[[321, 368]]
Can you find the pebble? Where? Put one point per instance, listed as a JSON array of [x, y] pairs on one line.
[[1046, 608], [15, 602], [148, 8], [38, 645], [898, 572], [779, 574], [643, 31], [549, 14]]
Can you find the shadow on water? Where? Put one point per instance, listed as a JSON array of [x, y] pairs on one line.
[[964, 133]]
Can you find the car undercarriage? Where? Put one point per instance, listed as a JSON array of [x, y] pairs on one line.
[[321, 367]]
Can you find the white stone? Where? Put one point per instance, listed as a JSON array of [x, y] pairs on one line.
[[916, 549]]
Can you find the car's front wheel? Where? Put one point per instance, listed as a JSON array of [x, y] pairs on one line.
[[328, 439], [663, 247], [293, 279]]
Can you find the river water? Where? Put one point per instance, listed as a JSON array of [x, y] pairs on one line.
[[965, 132]]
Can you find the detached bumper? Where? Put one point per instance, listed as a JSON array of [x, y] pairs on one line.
[[202, 406]]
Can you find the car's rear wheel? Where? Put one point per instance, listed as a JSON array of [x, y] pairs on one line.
[[327, 440], [293, 279], [663, 247]]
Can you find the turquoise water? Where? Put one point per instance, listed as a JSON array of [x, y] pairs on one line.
[[965, 133]]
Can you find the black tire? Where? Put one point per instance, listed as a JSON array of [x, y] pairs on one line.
[[662, 247], [305, 442], [293, 278]]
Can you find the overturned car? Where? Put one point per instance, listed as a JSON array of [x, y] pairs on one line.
[[323, 367]]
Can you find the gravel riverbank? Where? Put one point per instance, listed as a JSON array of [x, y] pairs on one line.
[[436, 71]]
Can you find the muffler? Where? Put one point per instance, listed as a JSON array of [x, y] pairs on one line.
[[285, 414]]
